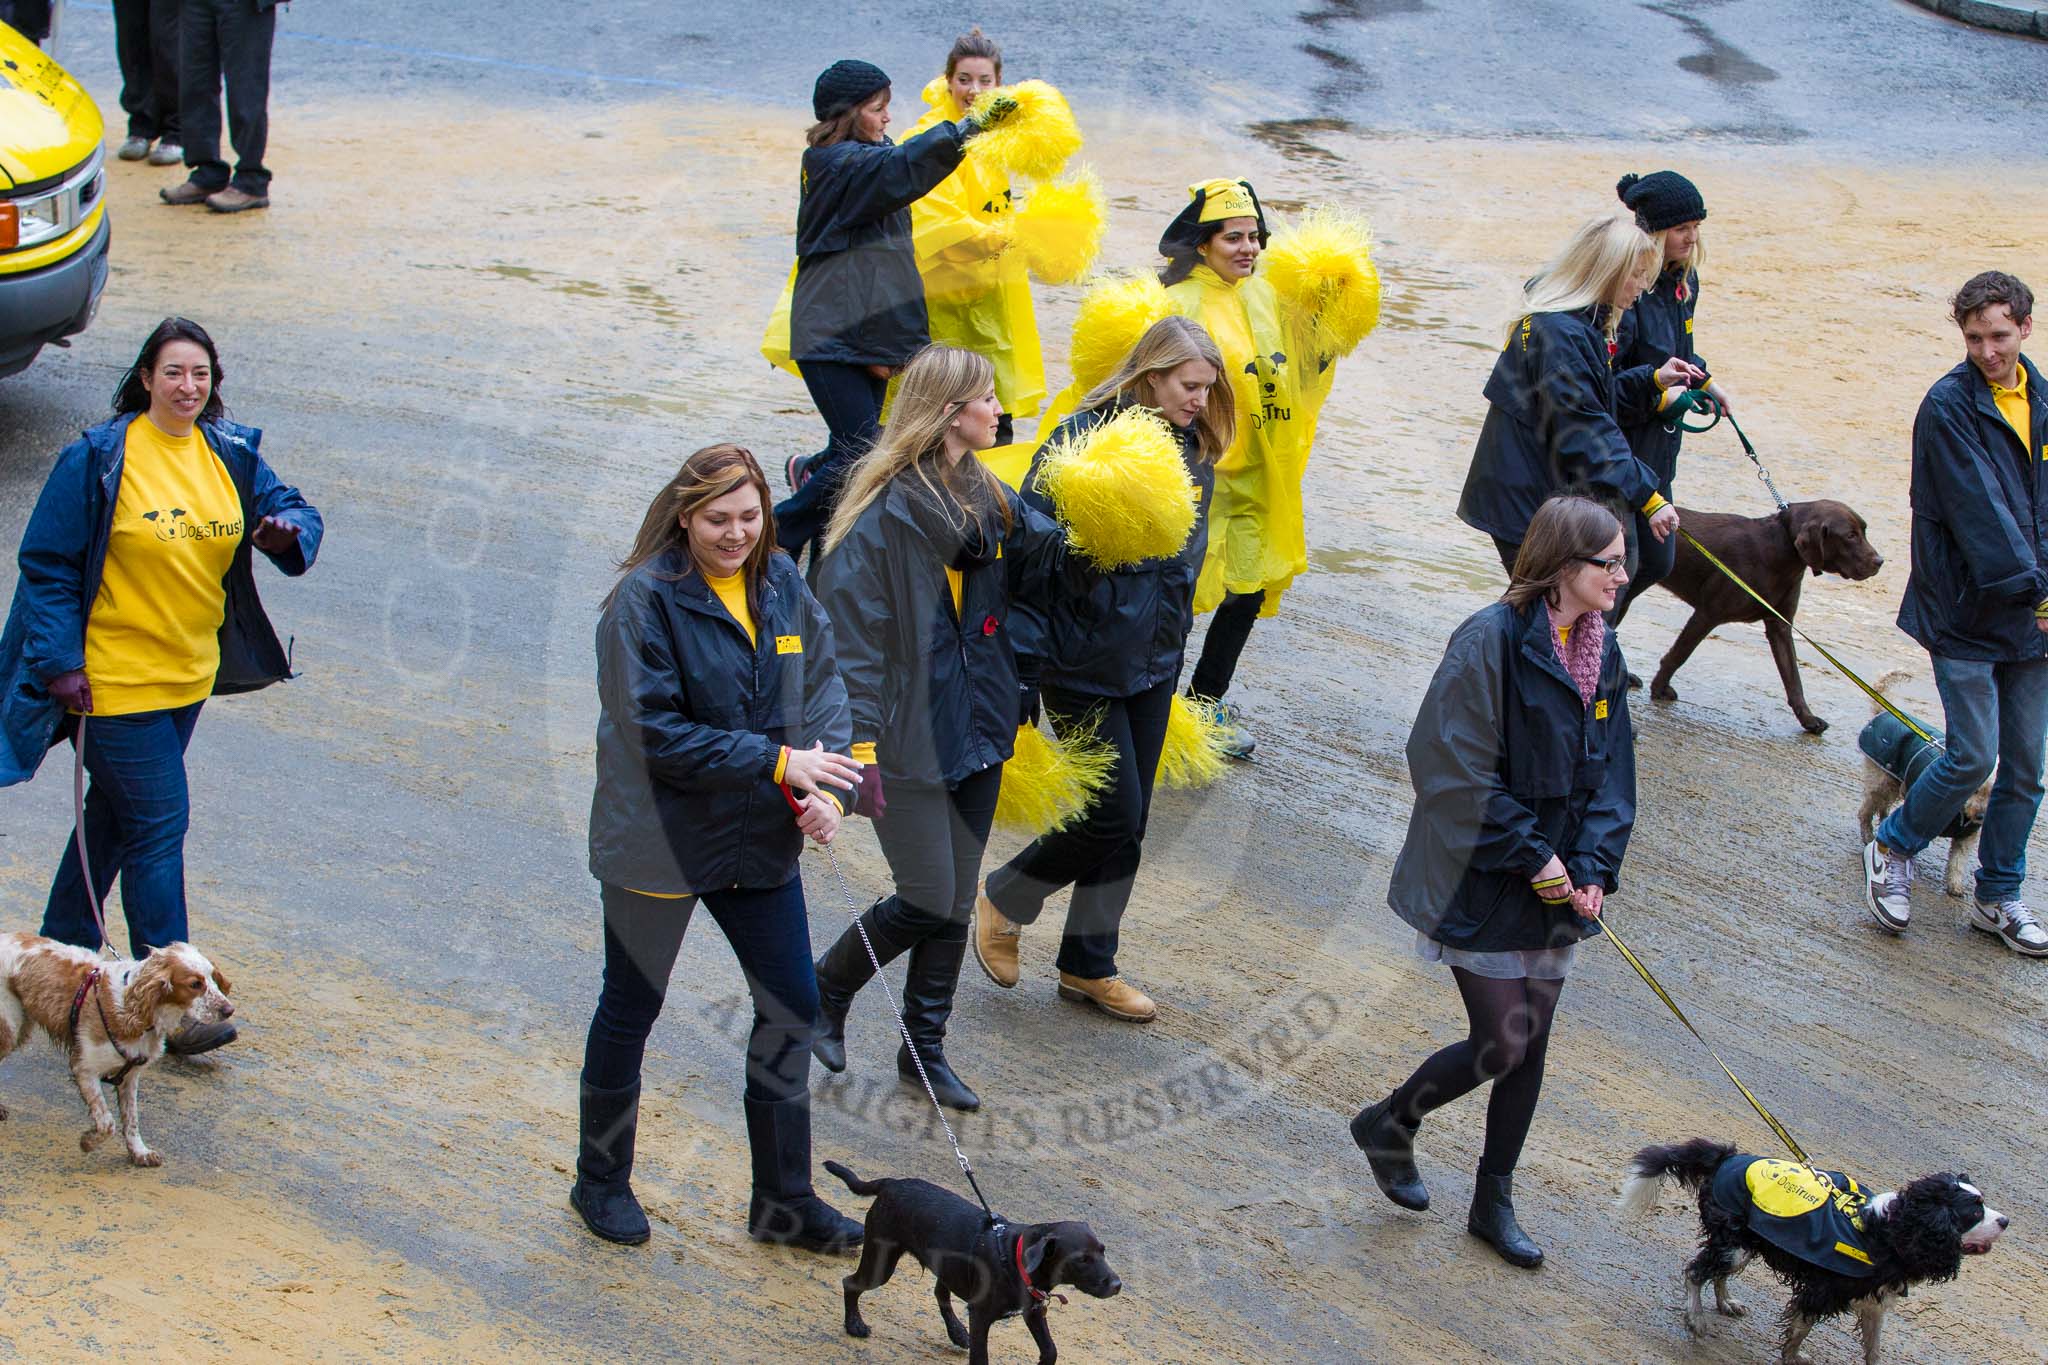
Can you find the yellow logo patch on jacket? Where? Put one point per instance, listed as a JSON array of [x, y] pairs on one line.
[[789, 644], [1600, 709]]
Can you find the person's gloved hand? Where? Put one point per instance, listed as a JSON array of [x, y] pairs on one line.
[[1027, 705], [71, 691], [1690, 400], [868, 799], [998, 108]]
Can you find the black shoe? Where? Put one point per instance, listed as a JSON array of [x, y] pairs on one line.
[[784, 1208], [1493, 1221], [927, 1004], [845, 968], [192, 1039], [603, 1192], [1389, 1147]]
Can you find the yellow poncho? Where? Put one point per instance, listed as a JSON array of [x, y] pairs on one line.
[[977, 294]]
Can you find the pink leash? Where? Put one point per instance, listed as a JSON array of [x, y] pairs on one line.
[[92, 897]]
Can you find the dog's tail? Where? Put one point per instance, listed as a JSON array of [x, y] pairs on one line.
[[1692, 1164], [854, 1182], [1887, 683]]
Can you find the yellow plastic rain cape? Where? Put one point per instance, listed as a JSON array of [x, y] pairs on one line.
[[1257, 537]]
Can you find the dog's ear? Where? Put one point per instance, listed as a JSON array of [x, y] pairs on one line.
[[1036, 1244], [220, 979], [1925, 1234], [1812, 543], [152, 985]]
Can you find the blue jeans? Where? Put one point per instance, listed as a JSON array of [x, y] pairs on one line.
[[137, 809], [770, 935], [1996, 713]]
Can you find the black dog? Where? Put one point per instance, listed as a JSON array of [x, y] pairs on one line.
[[1001, 1270], [1837, 1248]]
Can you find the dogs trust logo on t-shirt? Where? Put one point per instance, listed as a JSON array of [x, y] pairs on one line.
[[175, 523]]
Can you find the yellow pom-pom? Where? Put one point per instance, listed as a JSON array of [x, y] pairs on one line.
[[1035, 140], [1122, 490], [1113, 315], [1192, 755], [1059, 229], [1050, 783], [1322, 267]]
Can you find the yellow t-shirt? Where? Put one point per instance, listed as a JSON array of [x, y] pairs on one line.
[[732, 591], [953, 581], [152, 640], [2012, 406]]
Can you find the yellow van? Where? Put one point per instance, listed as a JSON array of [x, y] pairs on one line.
[[53, 214]]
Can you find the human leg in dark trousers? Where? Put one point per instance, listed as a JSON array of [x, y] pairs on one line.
[[146, 46], [849, 398], [1507, 550], [1229, 628], [226, 41], [1650, 560], [770, 936], [1508, 1039], [933, 838], [1099, 856]]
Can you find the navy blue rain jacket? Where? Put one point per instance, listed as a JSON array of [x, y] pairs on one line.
[[859, 299], [1551, 427], [691, 723], [1656, 328], [1113, 632], [1980, 543], [1510, 766], [64, 551]]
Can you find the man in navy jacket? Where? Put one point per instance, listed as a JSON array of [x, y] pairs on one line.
[[1977, 601]]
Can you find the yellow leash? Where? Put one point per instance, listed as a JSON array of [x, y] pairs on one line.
[[1664, 995], [1876, 696]]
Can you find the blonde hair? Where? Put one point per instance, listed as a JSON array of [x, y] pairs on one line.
[[937, 383], [705, 477], [1167, 345], [1604, 251], [1693, 260]]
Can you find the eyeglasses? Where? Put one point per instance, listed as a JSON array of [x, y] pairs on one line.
[[1613, 566]]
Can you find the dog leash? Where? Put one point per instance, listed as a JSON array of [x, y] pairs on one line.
[[92, 895], [902, 1028], [1721, 414]]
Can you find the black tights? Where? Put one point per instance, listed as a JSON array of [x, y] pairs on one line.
[[1510, 1023]]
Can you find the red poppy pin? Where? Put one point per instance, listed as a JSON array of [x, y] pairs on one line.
[[1611, 349], [988, 625]]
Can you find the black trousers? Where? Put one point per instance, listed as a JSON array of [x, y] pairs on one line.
[[1098, 856], [934, 837], [1650, 560], [225, 41], [849, 398], [1229, 628], [146, 45]]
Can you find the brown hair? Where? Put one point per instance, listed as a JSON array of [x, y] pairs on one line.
[[706, 476], [1988, 290], [1566, 530], [839, 127], [1167, 345], [974, 43]]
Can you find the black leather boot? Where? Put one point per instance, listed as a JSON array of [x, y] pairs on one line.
[[609, 1120], [1389, 1147], [927, 1005], [784, 1208], [1493, 1221], [845, 968]]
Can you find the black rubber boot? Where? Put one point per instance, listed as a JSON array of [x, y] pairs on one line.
[[1389, 1147], [1493, 1221], [603, 1193], [785, 1210], [927, 1005], [845, 968]]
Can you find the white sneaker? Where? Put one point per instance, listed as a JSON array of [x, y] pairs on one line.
[[1887, 887], [2014, 923]]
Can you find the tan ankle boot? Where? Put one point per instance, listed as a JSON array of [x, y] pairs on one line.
[[1112, 995], [996, 942]]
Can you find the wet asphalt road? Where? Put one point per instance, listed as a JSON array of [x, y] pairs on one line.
[[405, 810]]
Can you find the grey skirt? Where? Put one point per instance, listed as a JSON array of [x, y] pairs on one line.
[[1512, 964]]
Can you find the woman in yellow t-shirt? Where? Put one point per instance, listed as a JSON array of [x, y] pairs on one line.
[[135, 604]]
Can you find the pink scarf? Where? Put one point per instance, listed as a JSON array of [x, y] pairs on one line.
[[1581, 653]]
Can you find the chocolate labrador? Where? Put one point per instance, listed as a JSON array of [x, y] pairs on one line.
[[1772, 554], [1000, 1269]]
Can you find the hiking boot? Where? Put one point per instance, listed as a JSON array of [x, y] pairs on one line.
[[996, 943], [1113, 995], [167, 153], [1389, 1147], [1887, 886], [186, 192], [2013, 923], [235, 200], [1493, 1221], [194, 1038], [1237, 740], [134, 149]]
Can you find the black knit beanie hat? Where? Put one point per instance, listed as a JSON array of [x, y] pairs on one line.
[[1661, 200], [844, 84]]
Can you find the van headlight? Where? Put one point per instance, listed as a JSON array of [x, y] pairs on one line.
[[31, 219]]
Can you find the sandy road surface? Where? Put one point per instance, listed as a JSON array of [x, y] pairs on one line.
[[482, 373]]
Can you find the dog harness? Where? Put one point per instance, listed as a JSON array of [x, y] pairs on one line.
[[85, 988], [1815, 1215], [1891, 746]]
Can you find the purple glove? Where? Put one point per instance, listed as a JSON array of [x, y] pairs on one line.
[[869, 800]]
